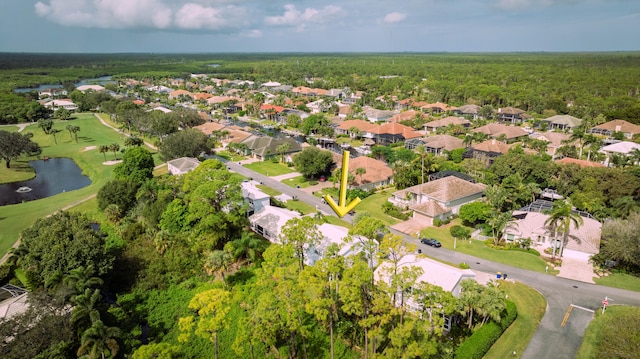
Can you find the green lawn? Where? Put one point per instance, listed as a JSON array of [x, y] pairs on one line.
[[616, 332], [620, 280], [531, 307], [300, 206], [268, 190], [17, 217], [9, 128], [296, 182], [233, 157], [269, 168], [371, 204], [479, 249]]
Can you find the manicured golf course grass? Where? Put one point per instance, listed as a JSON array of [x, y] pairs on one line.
[[17, 217]]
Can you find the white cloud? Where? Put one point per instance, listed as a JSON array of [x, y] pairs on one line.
[[300, 19], [526, 4], [251, 33], [149, 14], [394, 17]]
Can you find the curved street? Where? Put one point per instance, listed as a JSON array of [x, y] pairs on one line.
[[551, 339]]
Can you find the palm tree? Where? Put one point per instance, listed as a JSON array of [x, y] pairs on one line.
[[218, 261], [104, 149], [282, 149], [97, 340], [360, 171], [84, 310], [80, 279], [625, 206], [578, 135], [248, 246], [53, 132], [114, 147], [634, 155], [499, 222], [561, 217]]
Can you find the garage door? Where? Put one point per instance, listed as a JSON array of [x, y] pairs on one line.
[[572, 254]]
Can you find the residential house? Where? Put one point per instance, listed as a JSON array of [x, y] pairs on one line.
[[408, 115], [332, 234], [584, 241], [355, 128], [265, 147], [609, 128], [52, 92], [512, 114], [234, 135], [269, 221], [441, 144], [564, 123], [352, 97], [581, 163], [13, 301], [160, 89], [270, 112], [554, 140], [439, 198], [488, 150], [182, 165], [437, 107], [472, 111], [309, 92], [178, 94], [256, 199], [62, 103], [375, 115], [201, 96], [208, 128], [624, 148], [443, 123], [94, 88], [344, 111], [447, 277], [498, 130], [377, 173], [392, 132]]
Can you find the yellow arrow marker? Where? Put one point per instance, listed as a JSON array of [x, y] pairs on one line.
[[342, 208]]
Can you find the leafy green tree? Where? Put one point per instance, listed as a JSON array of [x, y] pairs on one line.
[[14, 145], [621, 242], [85, 311], [461, 232], [62, 114], [302, 234], [249, 246], [42, 331], [186, 143], [216, 210], [474, 212], [368, 231], [157, 351], [499, 222], [282, 150], [313, 162], [132, 141], [137, 165], [119, 192], [61, 243], [320, 283], [211, 307]]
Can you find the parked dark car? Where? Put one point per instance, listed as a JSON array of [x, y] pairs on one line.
[[430, 242]]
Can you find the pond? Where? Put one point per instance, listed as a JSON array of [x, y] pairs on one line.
[[53, 176], [97, 81]]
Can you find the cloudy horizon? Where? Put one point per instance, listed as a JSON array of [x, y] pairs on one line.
[[311, 26]]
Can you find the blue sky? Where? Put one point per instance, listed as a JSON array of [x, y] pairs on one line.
[[318, 26]]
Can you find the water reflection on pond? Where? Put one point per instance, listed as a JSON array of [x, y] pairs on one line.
[[53, 176]]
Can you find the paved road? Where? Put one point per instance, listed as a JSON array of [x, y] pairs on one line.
[[550, 340]]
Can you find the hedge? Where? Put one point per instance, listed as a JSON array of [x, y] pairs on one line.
[[479, 343]]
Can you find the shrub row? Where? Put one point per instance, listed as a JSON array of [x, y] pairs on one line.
[[479, 343]]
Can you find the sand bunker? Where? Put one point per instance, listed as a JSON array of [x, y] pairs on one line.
[[89, 148]]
